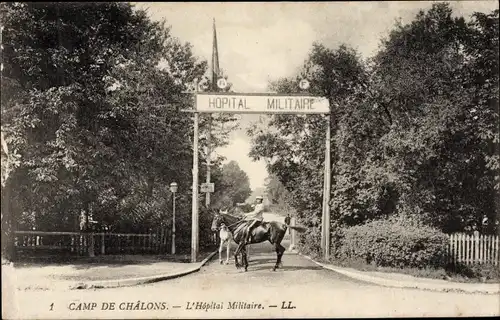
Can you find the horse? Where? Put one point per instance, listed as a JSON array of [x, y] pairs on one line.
[[226, 237], [273, 232]]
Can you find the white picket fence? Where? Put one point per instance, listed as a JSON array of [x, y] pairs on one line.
[[474, 249]]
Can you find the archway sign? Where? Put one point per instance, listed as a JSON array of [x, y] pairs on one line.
[[267, 103]]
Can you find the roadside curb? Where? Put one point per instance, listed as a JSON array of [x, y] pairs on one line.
[[462, 288], [115, 283]]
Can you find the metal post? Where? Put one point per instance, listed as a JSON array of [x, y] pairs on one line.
[[173, 223], [327, 188], [194, 221]]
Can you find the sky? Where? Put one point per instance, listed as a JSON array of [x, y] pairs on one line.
[[259, 42]]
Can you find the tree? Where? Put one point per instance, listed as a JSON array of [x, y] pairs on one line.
[[439, 148], [275, 190], [278, 196], [234, 186], [414, 130], [294, 147], [92, 117]]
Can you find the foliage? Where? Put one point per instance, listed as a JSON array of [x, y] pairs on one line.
[[414, 129], [246, 208], [310, 242], [233, 187], [295, 151], [91, 94], [278, 196], [395, 243], [441, 104]]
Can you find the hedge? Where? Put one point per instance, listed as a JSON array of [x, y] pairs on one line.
[[395, 243]]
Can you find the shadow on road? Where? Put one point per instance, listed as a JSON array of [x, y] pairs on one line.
[[283, 268], [111, 261]]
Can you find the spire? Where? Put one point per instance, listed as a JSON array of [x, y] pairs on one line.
[[215, 61]]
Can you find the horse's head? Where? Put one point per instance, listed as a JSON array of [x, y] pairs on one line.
[[218, 221]]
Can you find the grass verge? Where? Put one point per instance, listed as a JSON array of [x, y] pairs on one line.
[[455, 273]]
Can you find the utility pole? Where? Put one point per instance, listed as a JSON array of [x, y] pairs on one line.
[[328, 176], [194, 212]]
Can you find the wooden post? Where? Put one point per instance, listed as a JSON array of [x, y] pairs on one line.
[[327, 189], [162, 243], [173, 223], [150, 244], [481, 248], [209, 138], [157, 236], [477, 248], [490, 249], [323, 211], [194, 221], [455, 248], [450, 247], [467, 248], [495, 250], [103, 249], [486, 249], [292, 235], [91, 244]]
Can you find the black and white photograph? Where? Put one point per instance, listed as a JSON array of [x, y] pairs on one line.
[[253, 160]]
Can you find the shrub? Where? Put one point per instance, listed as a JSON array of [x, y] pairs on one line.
[[310, 242], [395, 243]]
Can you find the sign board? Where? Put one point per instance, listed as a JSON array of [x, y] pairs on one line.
[[261, 103], [207, 187]]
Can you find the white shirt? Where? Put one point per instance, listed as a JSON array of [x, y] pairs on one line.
[[257, 212]]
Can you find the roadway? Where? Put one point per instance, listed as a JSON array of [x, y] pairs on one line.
[[299, 289]]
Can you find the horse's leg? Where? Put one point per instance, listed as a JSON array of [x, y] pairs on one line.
[[228, 250], [245, 260], [236, 253], [279, 249], [282, 251], [220, 250]]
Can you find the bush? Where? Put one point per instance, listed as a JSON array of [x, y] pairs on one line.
[[310, 242], [395, 243]]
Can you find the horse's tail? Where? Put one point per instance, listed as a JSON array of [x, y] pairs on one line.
[[297, 228]]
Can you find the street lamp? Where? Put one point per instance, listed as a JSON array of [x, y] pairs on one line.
[[173, 189]]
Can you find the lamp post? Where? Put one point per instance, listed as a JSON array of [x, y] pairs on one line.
[[173, 189]]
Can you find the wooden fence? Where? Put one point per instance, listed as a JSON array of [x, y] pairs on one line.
[[104, 243], [473, 249]]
